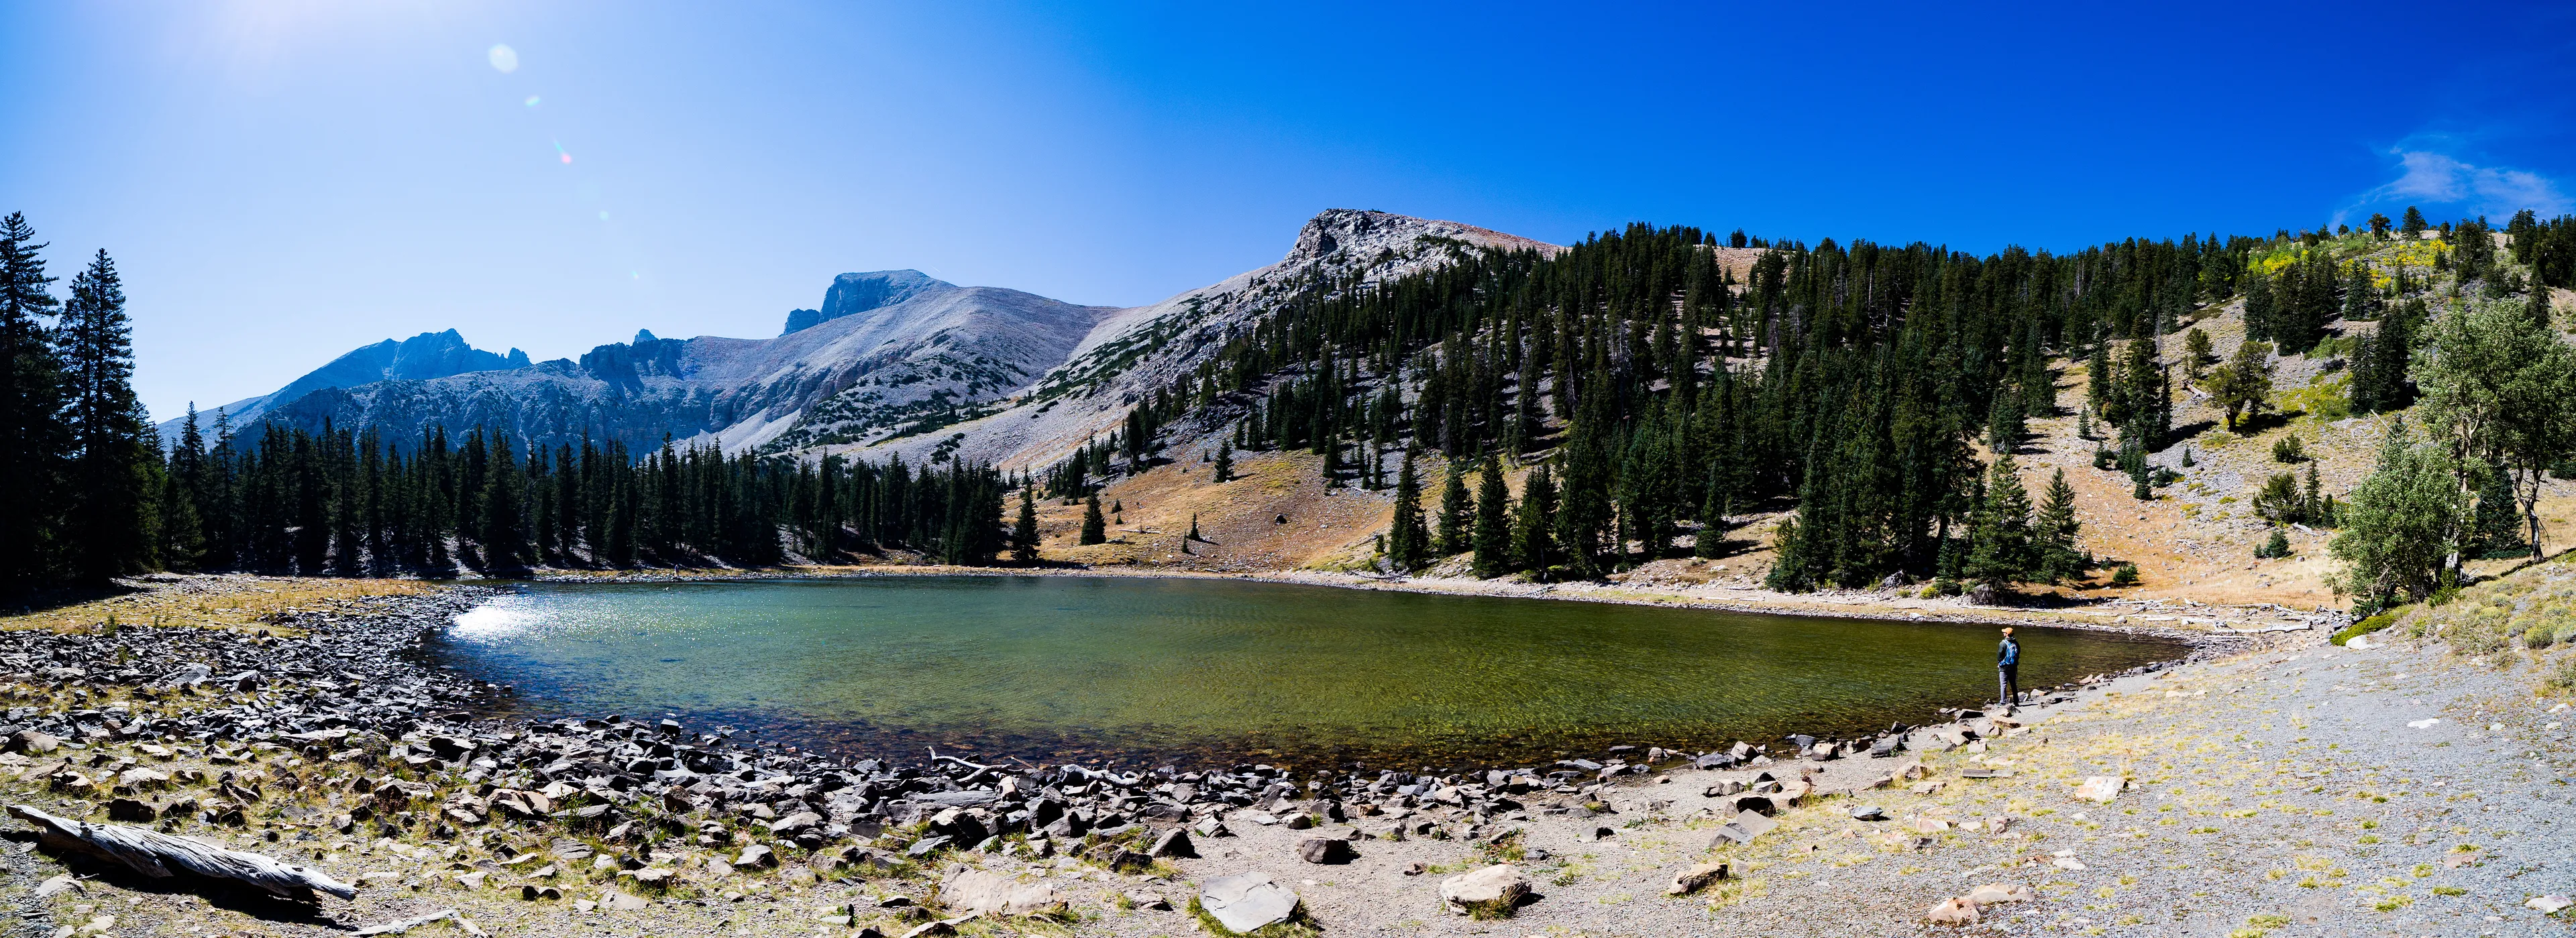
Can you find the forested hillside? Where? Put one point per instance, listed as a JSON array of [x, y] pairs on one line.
[[1631, 397]]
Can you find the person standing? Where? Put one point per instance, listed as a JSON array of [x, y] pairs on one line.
[[2008, 668]]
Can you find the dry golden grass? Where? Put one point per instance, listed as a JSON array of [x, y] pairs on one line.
[[238, 603]]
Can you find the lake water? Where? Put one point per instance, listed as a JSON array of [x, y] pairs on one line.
[[1198, 671]]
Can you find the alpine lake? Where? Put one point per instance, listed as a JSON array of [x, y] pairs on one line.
[[1146, 671]]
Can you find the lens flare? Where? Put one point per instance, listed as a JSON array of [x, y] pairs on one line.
[[504, 59], [532, 100], [559, 151]]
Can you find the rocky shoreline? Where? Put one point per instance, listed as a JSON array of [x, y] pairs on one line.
[[350, 686], [334, 734]]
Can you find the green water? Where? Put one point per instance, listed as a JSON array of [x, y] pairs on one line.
[[1210, 671]]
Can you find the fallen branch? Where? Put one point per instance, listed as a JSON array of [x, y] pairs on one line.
[[404, 925], [936, 757], [153, 854]]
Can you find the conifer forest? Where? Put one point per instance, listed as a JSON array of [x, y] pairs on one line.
[[1638, 390]]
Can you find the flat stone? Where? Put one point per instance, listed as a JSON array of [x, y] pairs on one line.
[[1247, 901], [1745, 826], [986, 893], [2000, 893]]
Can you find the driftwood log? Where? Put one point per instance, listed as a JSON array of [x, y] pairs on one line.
[[155, 854]]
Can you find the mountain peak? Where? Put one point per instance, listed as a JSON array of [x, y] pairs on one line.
[[860, 292]]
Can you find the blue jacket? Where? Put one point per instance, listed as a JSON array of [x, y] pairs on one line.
[[2008, 653]]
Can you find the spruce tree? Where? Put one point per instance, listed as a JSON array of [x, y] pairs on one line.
[[1457, 514], [1999, 540], [1534, 526], [1408, 541], [1024, 530], [502, 531], [1225, 458], [1493, 525], [2053, 532], [1095, 529], [111, 469]]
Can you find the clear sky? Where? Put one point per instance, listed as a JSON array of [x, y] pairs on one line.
[[283, 181]]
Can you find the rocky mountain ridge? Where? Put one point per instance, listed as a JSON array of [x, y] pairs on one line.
[[891, 362]]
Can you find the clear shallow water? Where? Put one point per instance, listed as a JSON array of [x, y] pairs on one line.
[[1209, 671]]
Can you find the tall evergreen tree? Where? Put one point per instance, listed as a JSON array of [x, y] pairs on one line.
[[1457, 514], [1534, 526], [1999, 539], [1408, 540], [1493, 546], [112, 477], [1024, 529], [32, 438], [2053, 532], [1095, 529]]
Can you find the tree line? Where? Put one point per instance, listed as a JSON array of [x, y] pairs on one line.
[[95, 494]]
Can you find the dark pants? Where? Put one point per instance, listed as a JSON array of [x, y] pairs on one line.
[[2008, 680]]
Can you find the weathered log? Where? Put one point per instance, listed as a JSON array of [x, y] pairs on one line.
[[153, 854]]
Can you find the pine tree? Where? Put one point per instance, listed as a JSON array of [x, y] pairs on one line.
[[1225, 458], [1408, 541], [110, 504], [1493, 525], [1024, 530], [1457, 515], [1095, 529]]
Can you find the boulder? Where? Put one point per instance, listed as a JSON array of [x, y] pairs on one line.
[[1868, 812], [2545, 905], [756, 856], [1247, 901], [1326, 850], [983, 893], [1173, 843], [131, 811], [2102, 789], [1489, 892], [32, 742], [1953, 911], [1695, 879]]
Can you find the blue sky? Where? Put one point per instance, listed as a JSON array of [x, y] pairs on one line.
[[282, 181]]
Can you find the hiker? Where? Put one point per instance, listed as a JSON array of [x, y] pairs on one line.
[[2008, 668]]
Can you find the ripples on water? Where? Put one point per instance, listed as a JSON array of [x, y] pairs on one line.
[[1201, 671]]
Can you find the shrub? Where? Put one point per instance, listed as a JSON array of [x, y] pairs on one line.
[[2125, 575], [2365, 627], [2288, 449], [2278, 546]]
